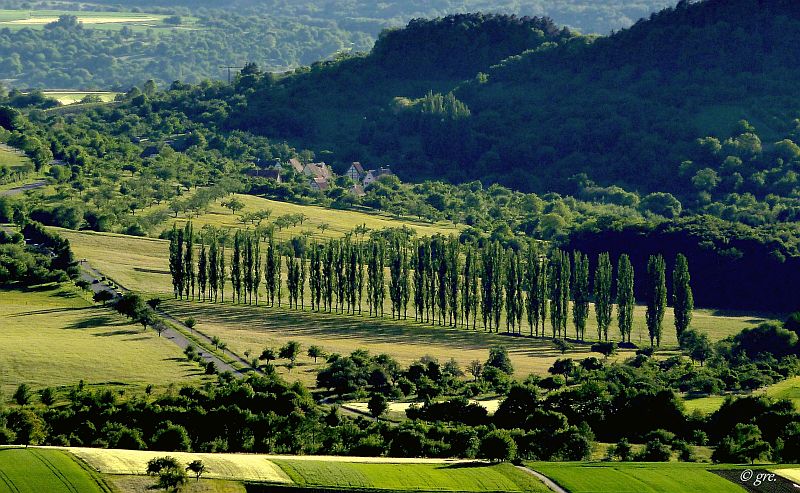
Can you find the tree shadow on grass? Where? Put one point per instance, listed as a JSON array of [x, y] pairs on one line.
[[50, 311], [121, 332], [465, 465], [95, 322]]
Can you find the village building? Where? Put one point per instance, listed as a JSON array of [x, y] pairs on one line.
[[318, 170], [374, 174], [296, 165], [355, 172], [319, 184]]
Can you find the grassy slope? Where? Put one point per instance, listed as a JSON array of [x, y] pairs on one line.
[[411, 477], [339, 221], [219, 466], [11, 159], [52, 471], [787, 389], [635, 477], [246, 328], [70, 97], [54, 337], [37, 19]]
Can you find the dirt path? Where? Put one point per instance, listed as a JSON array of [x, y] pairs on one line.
[[23, 188], [544, 479], [94, 278]]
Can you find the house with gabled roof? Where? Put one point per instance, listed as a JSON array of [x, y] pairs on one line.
[[296, 165], [374, 174], [319, 184], [355, 172], [318, 170]]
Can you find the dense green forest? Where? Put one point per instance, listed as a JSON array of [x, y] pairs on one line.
[[277, 35], [609, 107]]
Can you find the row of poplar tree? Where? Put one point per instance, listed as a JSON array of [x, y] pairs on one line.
[[447, 283]]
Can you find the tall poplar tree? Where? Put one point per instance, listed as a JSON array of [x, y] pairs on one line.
[[467, 285], [188, 261], [626, 299], [453, 279], [176, 260], [656, 297], [603, 304], [682, 299], [213, 268], [202, 269], [257, 268], [580, 294], [222, 273], [236, 268]]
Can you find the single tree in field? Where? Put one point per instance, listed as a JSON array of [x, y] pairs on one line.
[[190, 323], [22, 395], [475, 368], [682, 299], [103, 296], [603, 304], [159, 327], [234, 204], [48, 396], [563, 366], [377, 405], [323, 226], [656, 298], [625, 297], [154, 303], [315, 352], [197, 468], [216, 341], [290, 351], [147, 319], [268, 355]]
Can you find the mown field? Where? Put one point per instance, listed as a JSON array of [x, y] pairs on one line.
[[245, 467], [635, 477], [51, 471], [37, 19], [339, 222], [251, 329], [411, 477], [71, 97], [12, 159], [53, 337], [787, 389]]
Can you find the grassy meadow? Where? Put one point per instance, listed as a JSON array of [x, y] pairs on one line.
[[786, 389], [29, 470], [339, 221], [244, 467], [250, 329], [72, 97], [140, 264], [462, 477], [53, 337], [37, 19], [632, 477]]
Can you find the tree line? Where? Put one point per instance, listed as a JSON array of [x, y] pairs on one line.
[[445, 282]]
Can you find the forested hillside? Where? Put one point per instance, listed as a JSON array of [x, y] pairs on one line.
[[275, 34], [626, 109]]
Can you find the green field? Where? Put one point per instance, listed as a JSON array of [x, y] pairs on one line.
[[72, 97], [787, 389], [19, 19], [339, 221], [51, 471], [248, 328], [54, 337], [635, 477], [245, 467], [411, 477]]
